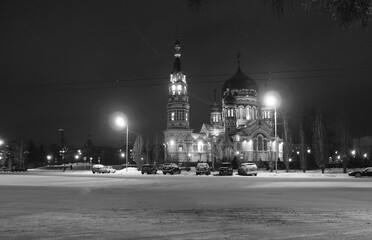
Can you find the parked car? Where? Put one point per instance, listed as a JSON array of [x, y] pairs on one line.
[[226, 169], [18, 169], [99, 168], [96, 168], [111, 169], [171, 168], [149, 169], [184, 167], [203, 168], [5, 169], [248, 169], [366, 172]]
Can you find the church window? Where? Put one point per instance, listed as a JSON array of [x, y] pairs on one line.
[[265, 144], [268, 114], [241, 113], [248, 109], [173, 90], [179, 89], [187, 118], [214, 118], [200, 146], [172, 116], [180, 148], [260, 143]]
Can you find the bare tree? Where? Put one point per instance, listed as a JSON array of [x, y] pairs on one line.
[[228, 149], [288, 144], [302, 149], [138, 151], [319, 139], [343, 12], [156, 150], [147, 150], [342, 138]]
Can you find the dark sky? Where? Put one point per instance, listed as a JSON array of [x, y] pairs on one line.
[[71, 64]]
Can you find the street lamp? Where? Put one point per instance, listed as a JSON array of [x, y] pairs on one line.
[[49, 157], [272, 99], [121, 123]]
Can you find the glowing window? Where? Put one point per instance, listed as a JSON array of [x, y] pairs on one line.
[[180, 148], [187, 117], [172, 116], [173, 89], [179, 89], [200, 146], [241, 113]]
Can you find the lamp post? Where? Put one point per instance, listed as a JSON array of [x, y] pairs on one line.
[[271, 100], [120, 122]]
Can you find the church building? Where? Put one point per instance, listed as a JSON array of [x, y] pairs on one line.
[[241, 128]]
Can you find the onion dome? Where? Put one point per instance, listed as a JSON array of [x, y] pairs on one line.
[[239, 81], [215, 107]]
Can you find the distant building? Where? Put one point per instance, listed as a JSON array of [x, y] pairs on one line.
[[241, 128]]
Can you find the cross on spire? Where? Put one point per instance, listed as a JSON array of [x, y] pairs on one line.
[[238, 57]]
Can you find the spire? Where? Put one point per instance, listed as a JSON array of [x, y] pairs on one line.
[[177, 61]]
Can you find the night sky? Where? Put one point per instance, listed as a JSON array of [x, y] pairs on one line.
[[71, 64]]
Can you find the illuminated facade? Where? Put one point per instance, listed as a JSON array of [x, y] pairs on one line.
[[241, 129]]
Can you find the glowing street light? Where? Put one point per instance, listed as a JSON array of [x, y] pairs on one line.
[[49, 157], [1, 142], [122, 123], [272, 99]]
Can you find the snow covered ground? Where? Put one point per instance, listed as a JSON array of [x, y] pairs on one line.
[[129, 205]]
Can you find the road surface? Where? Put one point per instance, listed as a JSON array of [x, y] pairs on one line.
[[56, 205]]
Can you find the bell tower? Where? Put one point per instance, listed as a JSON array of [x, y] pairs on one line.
[[178, 102], [177, 136]]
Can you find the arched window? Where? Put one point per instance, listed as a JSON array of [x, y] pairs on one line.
[[173, 90], [248, 112], [241, 112], [180, 148], [260, 143], [255, 113], [265, 144]]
